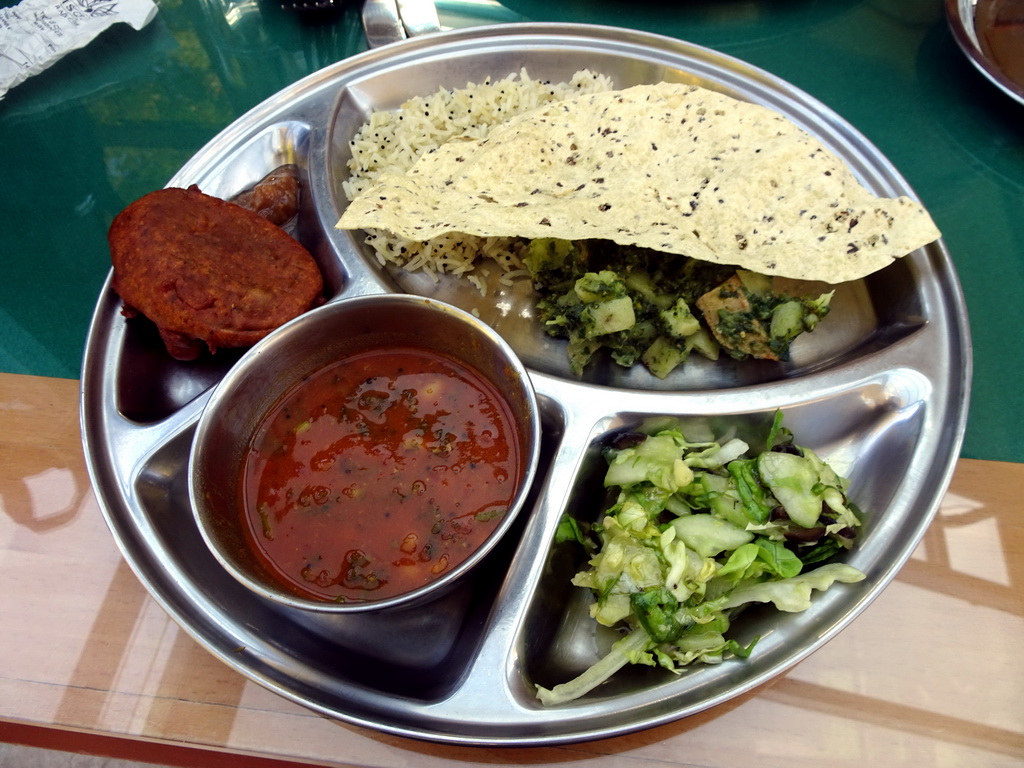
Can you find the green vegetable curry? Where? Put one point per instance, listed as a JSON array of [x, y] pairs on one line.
[[655, 308]]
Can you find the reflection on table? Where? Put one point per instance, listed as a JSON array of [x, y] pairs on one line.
[[927, 675]]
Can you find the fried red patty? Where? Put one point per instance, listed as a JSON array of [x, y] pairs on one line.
[[208, 273]]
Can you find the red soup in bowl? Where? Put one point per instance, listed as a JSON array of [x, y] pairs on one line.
[[379, 473], [366, 455]]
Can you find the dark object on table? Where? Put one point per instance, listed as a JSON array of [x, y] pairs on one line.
[[312, 8]]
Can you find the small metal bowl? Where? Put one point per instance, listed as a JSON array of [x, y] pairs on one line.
[[307, 344]]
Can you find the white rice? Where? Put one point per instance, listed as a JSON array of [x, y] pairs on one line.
[[391, 142]]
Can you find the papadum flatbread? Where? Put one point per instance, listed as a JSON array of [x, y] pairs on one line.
[[672, 167]]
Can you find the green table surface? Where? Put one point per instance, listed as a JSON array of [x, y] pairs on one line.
[[116, 119]]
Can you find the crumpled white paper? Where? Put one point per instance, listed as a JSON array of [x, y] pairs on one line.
[[36, 33]]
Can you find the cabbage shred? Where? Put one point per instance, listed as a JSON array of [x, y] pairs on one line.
[[699, 530]]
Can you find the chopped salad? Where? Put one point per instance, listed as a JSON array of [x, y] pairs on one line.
[[697, 531]]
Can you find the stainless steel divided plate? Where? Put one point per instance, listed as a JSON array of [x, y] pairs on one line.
[[880, 389]]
